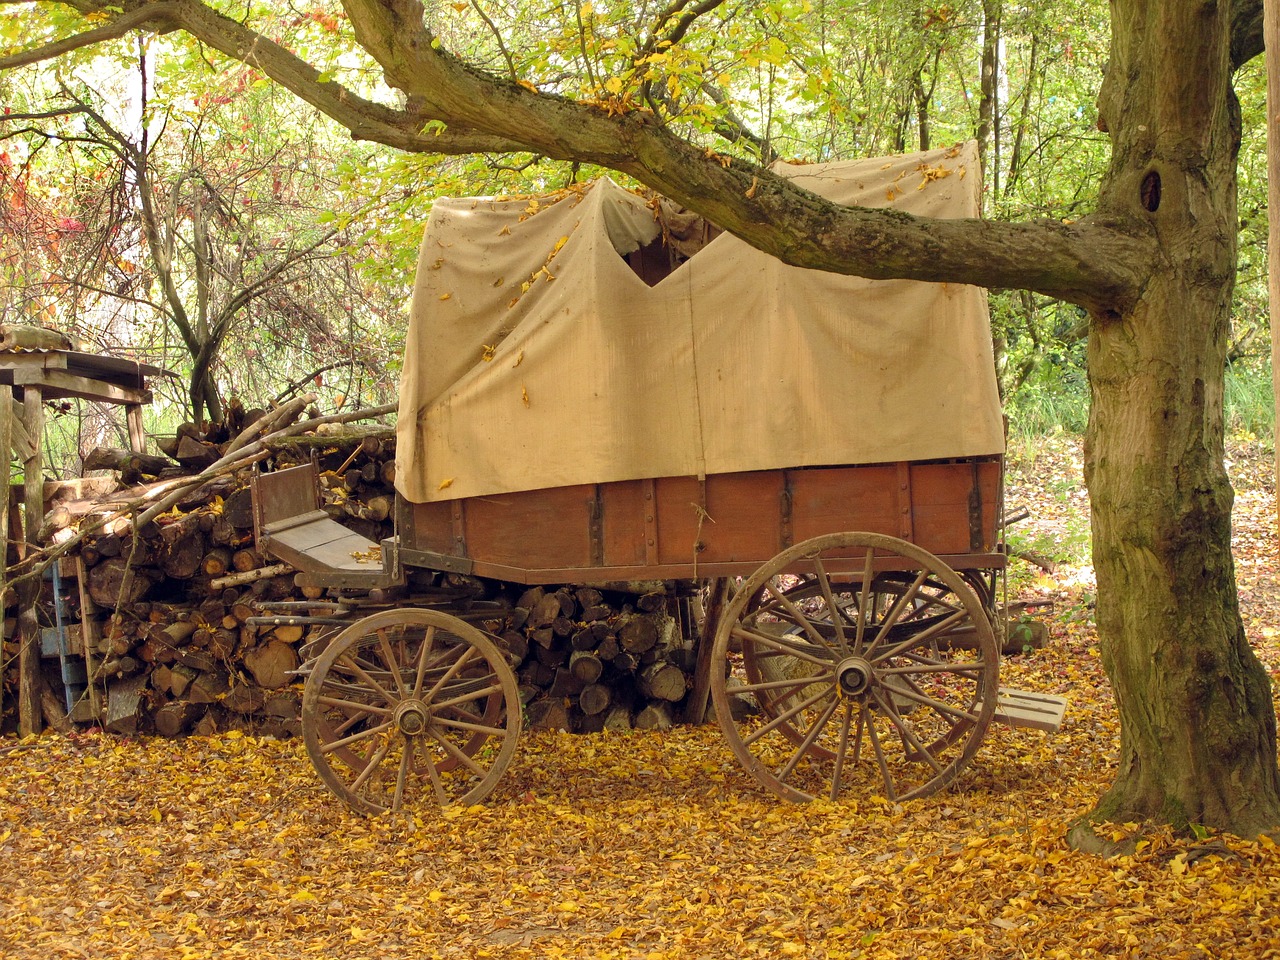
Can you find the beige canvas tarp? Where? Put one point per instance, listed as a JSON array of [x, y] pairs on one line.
[[537, 358]]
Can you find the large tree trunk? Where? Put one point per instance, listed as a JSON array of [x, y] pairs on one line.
[[1198, 732]]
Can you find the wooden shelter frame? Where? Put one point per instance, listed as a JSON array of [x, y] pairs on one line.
[[35, 377]]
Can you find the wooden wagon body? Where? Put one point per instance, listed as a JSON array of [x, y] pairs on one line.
[[665, 528], [722, 525]]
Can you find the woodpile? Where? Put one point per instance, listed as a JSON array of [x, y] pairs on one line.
[[172, 613], [166, 610], [592, 660]]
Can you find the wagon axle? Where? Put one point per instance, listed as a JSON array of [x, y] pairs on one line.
[[853, 675], [411, 717]]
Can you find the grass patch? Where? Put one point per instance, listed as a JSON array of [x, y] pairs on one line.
[[1056, 403], [1249, 401]]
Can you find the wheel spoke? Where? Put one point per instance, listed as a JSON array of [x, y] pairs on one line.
[[838, 774], [904, 730], [453, 751], [474, 727], [352, 705], [801, 620], [449, 674], [393, 664], [363, 674], [428, 641], [864, 591], [372, 765], [925, 636], [356, 737], [406, 759], [437, 785], [346, 725], [923, 666], [895, 612], [880, 758], [788, 684], [784, 717], [771, 704], [467, 697], [824, 584], [796, 650], [811, 735], [914, 694]]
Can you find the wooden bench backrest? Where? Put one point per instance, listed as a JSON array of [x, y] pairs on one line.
[[282, 494]]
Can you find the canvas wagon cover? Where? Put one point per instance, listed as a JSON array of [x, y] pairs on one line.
[[537, 358]]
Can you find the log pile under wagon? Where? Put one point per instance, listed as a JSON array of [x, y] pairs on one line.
[[186, 626]]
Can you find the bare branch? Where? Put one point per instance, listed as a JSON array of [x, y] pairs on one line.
[[301, 382], [42, 115], [365, 119], [497, 36], [680, 28]]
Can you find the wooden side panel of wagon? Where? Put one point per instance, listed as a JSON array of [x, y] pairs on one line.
[[723, 525]]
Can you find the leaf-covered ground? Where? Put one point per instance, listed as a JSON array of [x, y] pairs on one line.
[[644, 845]]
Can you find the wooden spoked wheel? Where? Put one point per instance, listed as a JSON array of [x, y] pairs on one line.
[[410, 706], [873, 666]]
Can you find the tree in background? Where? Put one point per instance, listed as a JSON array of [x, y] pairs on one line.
[[1153, 265], [179, 230]]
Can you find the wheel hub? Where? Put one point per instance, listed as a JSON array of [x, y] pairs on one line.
[[411, 717], [853, 676]]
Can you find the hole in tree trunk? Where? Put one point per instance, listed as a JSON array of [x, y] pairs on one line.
[[1151, 192]]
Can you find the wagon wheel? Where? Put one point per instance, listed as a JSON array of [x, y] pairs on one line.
[[932, 601], [866, 680], [406, 702]]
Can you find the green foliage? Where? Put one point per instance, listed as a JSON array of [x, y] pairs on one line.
[[1068, 542], [1056, 400], [252, 219]]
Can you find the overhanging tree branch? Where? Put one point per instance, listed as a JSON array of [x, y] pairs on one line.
[[1083, 262], [1246, 32], [365, 119], [112, 29]]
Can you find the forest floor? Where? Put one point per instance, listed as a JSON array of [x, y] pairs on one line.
[[649, 845]]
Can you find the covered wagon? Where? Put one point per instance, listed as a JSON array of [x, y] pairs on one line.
[[601, 388]]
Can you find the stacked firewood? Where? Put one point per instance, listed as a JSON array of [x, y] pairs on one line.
[[171, 613], [595, 660], [165, 612]]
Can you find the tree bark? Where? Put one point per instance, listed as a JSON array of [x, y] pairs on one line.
[[1198, 737], [1271, 27], [989, 101]]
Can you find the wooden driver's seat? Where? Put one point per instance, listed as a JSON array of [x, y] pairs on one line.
[[289, 525]]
